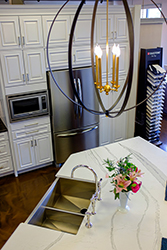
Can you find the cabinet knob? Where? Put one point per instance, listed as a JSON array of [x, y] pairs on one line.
[[1, 167]]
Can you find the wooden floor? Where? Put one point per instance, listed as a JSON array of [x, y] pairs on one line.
[[19, 196]]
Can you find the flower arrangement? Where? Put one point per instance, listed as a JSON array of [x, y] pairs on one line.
[[124, 176]]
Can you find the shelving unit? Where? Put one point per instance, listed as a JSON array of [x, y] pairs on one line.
[[149, 114], [155, 104]]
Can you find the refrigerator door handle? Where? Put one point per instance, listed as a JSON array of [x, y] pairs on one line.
[[76, 100], [78, 132], [80, 95]]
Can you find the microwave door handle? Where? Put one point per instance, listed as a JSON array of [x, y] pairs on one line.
[[80, 96]]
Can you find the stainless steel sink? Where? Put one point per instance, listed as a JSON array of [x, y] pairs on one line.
[[64, 205]]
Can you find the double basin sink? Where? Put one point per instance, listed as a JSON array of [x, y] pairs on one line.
[[64, 205]]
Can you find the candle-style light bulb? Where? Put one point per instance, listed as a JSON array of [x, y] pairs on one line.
[[118, 52], [98, 54], [114, 50], [98, 51]]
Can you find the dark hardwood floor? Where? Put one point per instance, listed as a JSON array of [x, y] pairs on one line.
[[19, 196], [163, 135]]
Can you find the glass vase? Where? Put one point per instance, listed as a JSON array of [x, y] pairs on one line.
[[123, 198]]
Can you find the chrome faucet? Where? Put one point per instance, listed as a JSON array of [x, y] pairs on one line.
[[91, 169]]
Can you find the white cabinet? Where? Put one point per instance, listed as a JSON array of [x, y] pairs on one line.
[[9, 32], [5, 157], [59, 38], [113, 129], [60, 30], [22, 54], [12, 67], [31, 31], [82, 34], [24, 153], [117, 28], [33, 151], [14, 72], [30, 35], [32, 143]]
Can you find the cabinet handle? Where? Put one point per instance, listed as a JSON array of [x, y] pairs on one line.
[[112, 35], [32, 124], [24, 78], [31, 132], [31, 143], [28, 77], [35, 142], [19, 40], [23, 40], [115, 35], [74, 58]]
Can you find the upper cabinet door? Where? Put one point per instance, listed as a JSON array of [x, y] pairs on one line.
[[101, 28], [82, 33], [117, 28], [12, 67], [34, 65], [9, 33], [60, 30], [31, 31], [121, 31]]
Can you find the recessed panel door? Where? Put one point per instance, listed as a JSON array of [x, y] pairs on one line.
[[24, 153], [13, 69], [9, 33], [31, 31]]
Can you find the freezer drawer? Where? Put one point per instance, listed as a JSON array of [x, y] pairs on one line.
[[74, 141]]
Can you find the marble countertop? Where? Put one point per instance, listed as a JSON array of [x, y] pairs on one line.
[[3, 128], [142, 228]]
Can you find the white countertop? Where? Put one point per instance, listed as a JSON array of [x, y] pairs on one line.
[[142, 228]]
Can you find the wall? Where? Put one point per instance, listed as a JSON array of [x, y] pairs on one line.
[[156, 37], [150, 35]]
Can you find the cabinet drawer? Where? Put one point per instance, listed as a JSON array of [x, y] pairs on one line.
[[3, 137], [29, 132], [30, 123], [4, 149], [5, 165]]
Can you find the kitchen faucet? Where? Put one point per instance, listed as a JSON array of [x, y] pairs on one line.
[[98, 186]]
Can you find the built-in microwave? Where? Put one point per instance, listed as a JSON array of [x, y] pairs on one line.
[[25, 106]]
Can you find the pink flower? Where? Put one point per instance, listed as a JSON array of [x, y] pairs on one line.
[[135, 186], [132, 175], [138, 173], [121, 183], [107, 176]]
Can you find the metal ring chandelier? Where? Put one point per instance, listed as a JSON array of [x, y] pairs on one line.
[[128, 82]]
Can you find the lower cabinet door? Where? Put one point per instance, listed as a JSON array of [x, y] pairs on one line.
[[43, 148], [24, 152]]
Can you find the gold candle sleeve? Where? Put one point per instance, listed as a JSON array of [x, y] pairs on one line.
[[97, 80], [100, 72], [113, 69], [117, 70]]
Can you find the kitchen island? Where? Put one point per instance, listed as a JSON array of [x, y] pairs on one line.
[[142, 228]]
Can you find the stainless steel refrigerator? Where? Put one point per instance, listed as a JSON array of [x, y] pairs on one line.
[[73, 128]]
